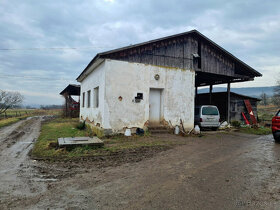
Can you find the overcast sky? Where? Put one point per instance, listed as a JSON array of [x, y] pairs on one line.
[[249, 29]]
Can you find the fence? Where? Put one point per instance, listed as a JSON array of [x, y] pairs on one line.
[[15, 113]]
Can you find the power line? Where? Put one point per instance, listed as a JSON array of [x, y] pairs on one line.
[[54, 48], [32, 77]]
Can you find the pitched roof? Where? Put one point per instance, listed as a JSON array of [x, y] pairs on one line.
[[71, 89], [194, 32]]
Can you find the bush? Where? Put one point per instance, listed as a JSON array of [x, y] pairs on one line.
[[236, 124], [81, 125]]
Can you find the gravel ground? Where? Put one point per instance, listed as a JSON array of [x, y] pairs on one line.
[[217, 171]]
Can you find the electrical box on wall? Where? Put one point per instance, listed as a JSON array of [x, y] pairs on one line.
[[138, 98]]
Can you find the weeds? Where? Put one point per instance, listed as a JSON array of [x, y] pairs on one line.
[[81, 125], [256, 131]]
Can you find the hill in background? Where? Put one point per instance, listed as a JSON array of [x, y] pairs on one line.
[[249, 91]]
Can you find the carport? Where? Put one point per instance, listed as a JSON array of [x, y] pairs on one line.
[[216, 66], [204, 79]]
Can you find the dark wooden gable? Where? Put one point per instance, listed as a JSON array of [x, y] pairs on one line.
[[174, 52], [190, 50]]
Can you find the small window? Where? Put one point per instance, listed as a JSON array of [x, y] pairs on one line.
[[83, 104], [88, 99], [96, 97]]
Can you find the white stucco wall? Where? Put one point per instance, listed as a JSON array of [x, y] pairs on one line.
[[95, 79], [127, 79]]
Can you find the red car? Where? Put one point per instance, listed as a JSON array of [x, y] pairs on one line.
[[276, 126]]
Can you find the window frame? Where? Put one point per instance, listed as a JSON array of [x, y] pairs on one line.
[[83, 99], [88, 98], [96, 97]]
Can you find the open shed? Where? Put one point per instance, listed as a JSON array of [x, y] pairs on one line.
[[71, 106], [237, 104]]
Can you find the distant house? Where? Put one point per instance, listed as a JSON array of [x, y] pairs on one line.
[[237, 104], [155, 82]]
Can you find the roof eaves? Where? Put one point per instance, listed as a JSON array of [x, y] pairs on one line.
[[90, 63]]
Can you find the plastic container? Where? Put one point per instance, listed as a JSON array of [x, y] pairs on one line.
[[127, 132], [196, 129], [177, 130]]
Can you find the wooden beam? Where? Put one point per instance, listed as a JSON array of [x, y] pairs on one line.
[[228, 102], [198, 84], [195, 96], [210, 94]]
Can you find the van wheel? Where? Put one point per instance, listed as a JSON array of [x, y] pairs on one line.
[[214, 128]]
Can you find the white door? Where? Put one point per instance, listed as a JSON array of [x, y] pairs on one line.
[[155, 105]]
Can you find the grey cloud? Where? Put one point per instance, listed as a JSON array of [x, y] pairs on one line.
[[248, 29]]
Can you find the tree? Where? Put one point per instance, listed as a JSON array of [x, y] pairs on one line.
[[9, 100], [276, 96], [264, 99]]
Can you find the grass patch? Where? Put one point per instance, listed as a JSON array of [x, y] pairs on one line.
[[9, 121], [67, 128], [256, 131], [53, 130]]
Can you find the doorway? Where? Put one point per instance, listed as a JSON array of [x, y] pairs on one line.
[[155, 105]]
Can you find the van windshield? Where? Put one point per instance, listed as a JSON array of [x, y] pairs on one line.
[[210, 111]]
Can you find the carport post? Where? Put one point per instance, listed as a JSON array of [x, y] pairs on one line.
[[210, 94], [195, 95], [228, 102]]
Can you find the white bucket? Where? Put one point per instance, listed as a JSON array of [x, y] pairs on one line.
[[196, 129], [127, 132], [177, 130]]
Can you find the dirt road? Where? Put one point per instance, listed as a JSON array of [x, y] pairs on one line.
[[221, 171]]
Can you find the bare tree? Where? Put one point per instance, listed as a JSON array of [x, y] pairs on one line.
[[277, 89], [264, 99], [9, 100], [276, 96]]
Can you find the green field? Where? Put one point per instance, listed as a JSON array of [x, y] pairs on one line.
[[265, 113], [15, 115]]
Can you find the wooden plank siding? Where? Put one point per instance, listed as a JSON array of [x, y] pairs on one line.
[[170, 53], [215, 62], [178, 52]]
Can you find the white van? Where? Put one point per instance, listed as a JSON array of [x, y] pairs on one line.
[[207, 116]]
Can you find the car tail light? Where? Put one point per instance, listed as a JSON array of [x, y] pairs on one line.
[[200, 120]]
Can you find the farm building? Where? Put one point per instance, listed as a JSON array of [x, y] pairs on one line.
[[71, 106], [237, 104], [155, 82]]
